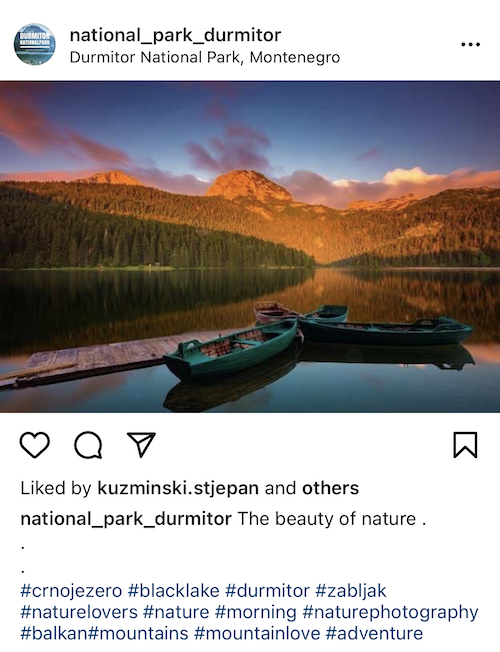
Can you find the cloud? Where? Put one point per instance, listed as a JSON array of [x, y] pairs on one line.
[[311, 187], [25, 124], [49, 175], [201, 159], [216, 110], [239, 147], [375, 152], [183, 184], [94, 150], [304, 185], [314, 188], [414, 176], [218, 97]]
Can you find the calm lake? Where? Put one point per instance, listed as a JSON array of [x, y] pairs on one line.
[[62, 309]]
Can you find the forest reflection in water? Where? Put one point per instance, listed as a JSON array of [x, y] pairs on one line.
[[63, 309], [60, 309]]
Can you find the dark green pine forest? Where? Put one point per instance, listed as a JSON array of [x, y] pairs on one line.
[[40, 231], [105, 225]]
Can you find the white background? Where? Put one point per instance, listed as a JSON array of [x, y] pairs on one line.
[[375, 40], [402, 463]]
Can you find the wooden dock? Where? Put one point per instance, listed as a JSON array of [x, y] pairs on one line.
[[83, 362]]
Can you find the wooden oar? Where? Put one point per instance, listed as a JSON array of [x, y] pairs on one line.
[[32, 371]]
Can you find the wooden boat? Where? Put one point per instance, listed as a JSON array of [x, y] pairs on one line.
[[226, 355], [208, 393], [327, 314], [268, 312], [453, 357], [423, 332]]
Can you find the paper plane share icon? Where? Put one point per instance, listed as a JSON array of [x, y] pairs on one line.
[[142, 440]]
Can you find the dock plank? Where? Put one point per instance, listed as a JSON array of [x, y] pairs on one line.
[[66, 355], [86, 361], [42, 359]]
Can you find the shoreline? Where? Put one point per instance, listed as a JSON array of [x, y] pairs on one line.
[[205, 269], [139, 269], [493, 268]]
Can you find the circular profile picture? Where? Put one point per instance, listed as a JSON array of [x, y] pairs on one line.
[[34, 44]]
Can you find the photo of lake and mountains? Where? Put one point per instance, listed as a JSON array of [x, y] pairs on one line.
[[249, 247]]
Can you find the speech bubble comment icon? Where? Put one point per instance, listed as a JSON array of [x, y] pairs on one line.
[[88, 445]]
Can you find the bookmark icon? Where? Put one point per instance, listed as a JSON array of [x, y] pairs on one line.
[[465, 441], [142, 440]]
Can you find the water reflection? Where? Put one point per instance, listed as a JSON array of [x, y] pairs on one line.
[[443, 357], [48, 310], [206, 395], [58, 309]]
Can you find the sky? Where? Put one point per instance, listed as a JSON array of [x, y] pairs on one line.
[[326, 142]]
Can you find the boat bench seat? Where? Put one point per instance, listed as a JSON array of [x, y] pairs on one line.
[[236, 340], [232, 344]]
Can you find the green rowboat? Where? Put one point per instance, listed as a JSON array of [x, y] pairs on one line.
[[232, 353], [423, 332], [208, 393], [327, 314]]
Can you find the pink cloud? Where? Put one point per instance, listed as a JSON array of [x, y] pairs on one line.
[[49, 175], [246, 133], [183, 184], [216, 110], [25, 124], [96, 151], [309, 187], [221, 96], [201, 158], [240, 147]]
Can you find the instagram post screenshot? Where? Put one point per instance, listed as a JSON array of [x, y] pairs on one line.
[[250, 326]]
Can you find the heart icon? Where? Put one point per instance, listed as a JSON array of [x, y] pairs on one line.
[[34, 444]]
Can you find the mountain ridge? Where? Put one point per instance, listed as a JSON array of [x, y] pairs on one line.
[[391, 204], [453, 227], [111, 177]]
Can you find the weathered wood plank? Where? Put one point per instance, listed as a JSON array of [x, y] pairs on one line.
[[41, 359], [158, 349], [86, 357], [66, 355], [70, 364]]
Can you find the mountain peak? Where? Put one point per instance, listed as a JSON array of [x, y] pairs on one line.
[[113, 177], [247, 183]]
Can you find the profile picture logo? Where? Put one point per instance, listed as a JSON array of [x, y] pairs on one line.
[[34, 44]]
